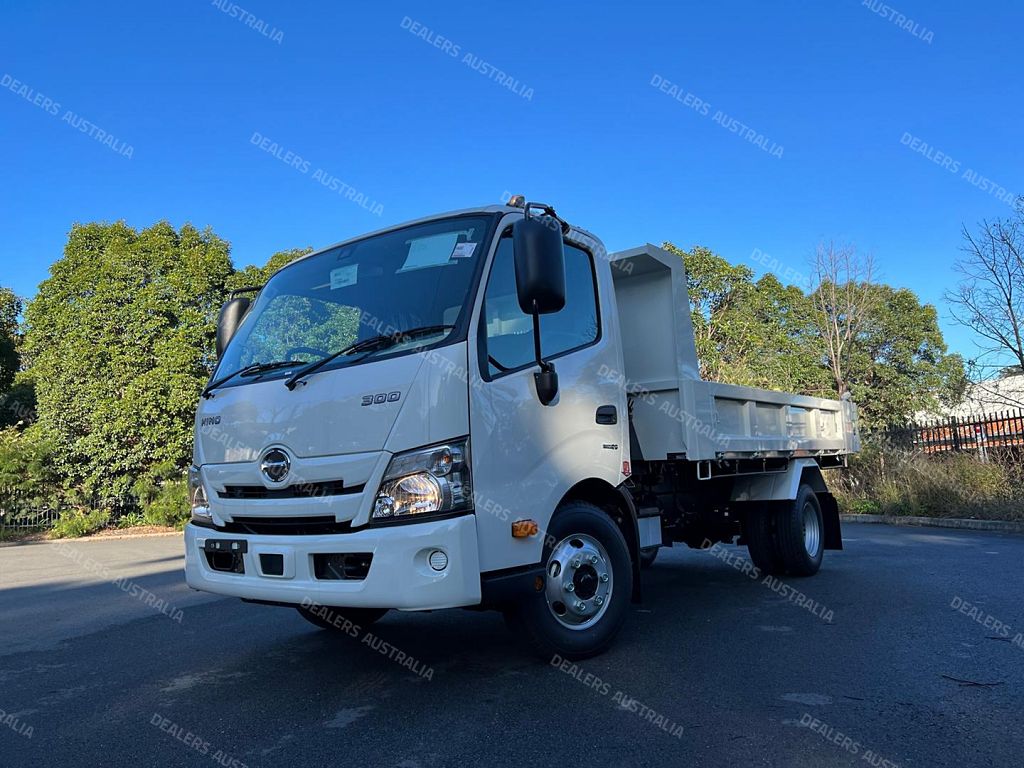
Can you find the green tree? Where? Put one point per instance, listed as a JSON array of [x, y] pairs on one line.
[[898, 364], [10, 309], [290, 323], [120, 339], [254, 277], [761, 333], [770, 340]]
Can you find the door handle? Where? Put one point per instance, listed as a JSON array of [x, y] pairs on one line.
[[607, 414]]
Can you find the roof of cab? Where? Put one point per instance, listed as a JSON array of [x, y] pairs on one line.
[[432, 217]]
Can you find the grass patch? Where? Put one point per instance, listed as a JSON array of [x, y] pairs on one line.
[[886, 480]]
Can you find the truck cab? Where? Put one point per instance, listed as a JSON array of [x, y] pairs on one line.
[[453, 413]]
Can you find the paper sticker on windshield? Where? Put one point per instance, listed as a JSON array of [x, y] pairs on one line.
[[343, 276], [463, 250], [430, 251]]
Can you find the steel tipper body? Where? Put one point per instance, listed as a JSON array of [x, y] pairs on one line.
[[486, 408]]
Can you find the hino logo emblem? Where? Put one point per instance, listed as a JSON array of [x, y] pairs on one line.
[[275, 465]]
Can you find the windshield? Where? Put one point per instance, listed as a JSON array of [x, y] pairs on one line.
[[411, 278]]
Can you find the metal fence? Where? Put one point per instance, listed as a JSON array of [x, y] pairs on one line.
[[993, 433], [21, 512]]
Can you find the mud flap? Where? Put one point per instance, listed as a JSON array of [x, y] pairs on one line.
[[830, 517]]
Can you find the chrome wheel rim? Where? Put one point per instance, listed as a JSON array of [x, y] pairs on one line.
[[812, 530], [579, 581]]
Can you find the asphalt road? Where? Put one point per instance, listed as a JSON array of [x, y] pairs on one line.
[[111, 661]]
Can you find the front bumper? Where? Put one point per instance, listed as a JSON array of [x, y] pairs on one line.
[[399, 576]]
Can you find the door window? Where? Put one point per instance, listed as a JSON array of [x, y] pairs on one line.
[[509, 331]]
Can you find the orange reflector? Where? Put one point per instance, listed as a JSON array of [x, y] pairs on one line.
[[626, 471], [521, 529]]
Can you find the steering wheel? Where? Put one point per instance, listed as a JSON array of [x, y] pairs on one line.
[[290, 354]]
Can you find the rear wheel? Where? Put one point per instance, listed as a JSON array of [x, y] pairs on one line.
[[800, 531], [588, 586], [340, 619]]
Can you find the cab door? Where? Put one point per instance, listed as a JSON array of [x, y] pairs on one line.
[[527, 455]]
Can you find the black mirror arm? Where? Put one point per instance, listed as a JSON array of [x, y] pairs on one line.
[[546, 378], [550, 211], [544, 364]]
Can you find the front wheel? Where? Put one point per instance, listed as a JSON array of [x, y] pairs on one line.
[[588, 586]]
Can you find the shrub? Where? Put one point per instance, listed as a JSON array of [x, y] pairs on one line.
[[163, 496], [170, 505], [78, 522], [889, 480], [27, 482], [131, 520]]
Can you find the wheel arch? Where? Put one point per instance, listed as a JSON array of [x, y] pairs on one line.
[[780, 487], [617, 503]]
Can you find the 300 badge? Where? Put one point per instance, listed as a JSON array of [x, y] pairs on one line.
[[381, 397]]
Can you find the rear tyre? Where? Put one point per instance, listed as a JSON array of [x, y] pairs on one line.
[[588, 586], [762, 544], [340, 619], [800, 531]]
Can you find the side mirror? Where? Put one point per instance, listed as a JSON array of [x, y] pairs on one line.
[[539, 264], [230, 318], [540, 283]]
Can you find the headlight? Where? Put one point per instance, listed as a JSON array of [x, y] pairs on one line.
[[197, 497], [426, 481]]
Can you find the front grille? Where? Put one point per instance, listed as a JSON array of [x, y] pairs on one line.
[[342, 566], [287, 526], [298, 491]]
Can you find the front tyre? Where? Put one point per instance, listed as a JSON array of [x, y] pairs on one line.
[[588, 586]]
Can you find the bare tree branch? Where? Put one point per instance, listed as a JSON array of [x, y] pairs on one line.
[[843, 298], [989, 298]]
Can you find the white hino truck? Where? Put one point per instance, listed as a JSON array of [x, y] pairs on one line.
[[485, 409]]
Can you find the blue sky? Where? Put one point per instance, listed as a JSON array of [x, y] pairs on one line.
[[351, 91]]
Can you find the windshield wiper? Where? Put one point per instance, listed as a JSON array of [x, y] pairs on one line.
[[249, 370], [374, 344]]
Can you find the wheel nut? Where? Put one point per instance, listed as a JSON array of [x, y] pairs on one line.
[[580, 606], [576, 563], [599, 600], [604, 577], [593, 559], [570, 587]]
